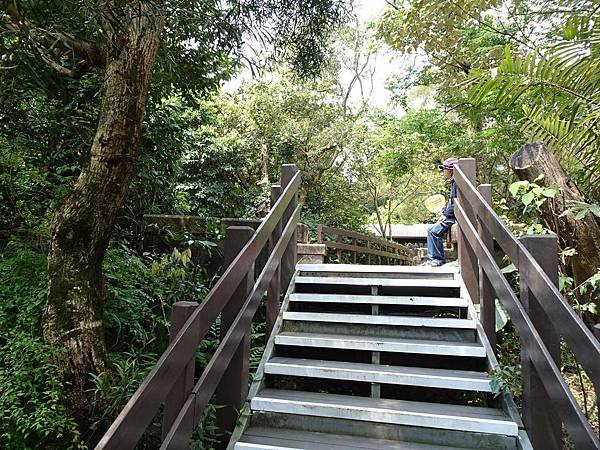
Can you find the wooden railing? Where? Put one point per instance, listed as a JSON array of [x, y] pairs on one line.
[[236, 297], [363, 248], [540, 314]]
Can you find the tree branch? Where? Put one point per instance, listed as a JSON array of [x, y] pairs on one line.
[[91, 55]]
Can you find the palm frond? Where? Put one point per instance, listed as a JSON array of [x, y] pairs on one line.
[[559, 90]]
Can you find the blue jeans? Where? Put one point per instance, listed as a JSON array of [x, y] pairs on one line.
[[435, 239]]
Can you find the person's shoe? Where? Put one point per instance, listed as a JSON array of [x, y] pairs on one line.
[[436, 263], [427, 263]]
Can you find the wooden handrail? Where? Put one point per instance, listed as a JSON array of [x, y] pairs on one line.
[[391, 251], [563, 318], [126, 430]]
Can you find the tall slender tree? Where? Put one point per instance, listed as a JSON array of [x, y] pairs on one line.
[[187, 45]]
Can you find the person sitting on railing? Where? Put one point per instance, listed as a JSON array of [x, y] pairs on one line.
[[437, 231]]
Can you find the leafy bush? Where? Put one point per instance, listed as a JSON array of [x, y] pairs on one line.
[[31, 415]]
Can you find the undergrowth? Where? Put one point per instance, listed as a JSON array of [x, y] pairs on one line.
[[140, 293]]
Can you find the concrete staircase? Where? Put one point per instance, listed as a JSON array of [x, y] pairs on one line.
[[377, 357]]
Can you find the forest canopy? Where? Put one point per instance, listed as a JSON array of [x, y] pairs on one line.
[[113, 110]]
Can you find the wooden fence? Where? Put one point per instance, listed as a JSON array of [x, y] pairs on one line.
[[236, 297], [540, 314], [363, 248]]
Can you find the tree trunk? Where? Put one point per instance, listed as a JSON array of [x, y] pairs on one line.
[[264, 162], [81, 226], [533, 160]]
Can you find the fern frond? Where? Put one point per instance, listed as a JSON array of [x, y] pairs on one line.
[[559, 92]]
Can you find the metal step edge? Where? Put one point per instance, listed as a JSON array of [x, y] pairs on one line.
[[371, 373], [444, 302], [390, 282], [396, 412], [250, 446], [365, 319], [381, 344], [288, 439], [369, 268]]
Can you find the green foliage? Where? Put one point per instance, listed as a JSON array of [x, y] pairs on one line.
[[31, 413], [558, 89], [581, 209], [506, 379], [531, 197], [136, 325]]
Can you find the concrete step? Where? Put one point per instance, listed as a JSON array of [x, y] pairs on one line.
[[261, 438], [400, 412], [365, 319], [442, 302], [383, 344], [375, 269], [385, 374], [386, 282]]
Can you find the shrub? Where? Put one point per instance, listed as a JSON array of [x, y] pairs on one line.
[[31, 415]]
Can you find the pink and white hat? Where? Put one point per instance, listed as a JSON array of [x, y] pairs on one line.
[[449, 163]]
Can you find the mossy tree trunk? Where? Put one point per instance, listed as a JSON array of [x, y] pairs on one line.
[[81, 226], [533, 160]]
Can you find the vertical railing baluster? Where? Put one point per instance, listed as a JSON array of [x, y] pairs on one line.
[[180, 312], [487, 296], [544, 429], [288, 261], [233, 388], [466, 256], [274, 289]]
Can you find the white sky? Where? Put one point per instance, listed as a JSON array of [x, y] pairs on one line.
[[387, 62]]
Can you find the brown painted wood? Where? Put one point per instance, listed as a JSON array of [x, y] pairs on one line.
[[180, 432], [363, 237], [180, 312], [288, 172], [466, 257], [577, 335], [366, 250], [564, 403], [233, 387], [565, 320], [274, 291], [487, 297], [545, 430], [488, 218], [141, 408]]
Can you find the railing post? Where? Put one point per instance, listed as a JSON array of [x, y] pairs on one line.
[[596, 331], [487, 296], [354, 252], [180, 312], [233, 388], [288, 261], [319, 234], [539, 416], [274, 290], [466, 256]]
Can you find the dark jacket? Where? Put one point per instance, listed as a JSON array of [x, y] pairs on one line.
[[448, 210]]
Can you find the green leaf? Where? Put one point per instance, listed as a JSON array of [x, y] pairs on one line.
[[509, 269], [514, 187], [527, 198]]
